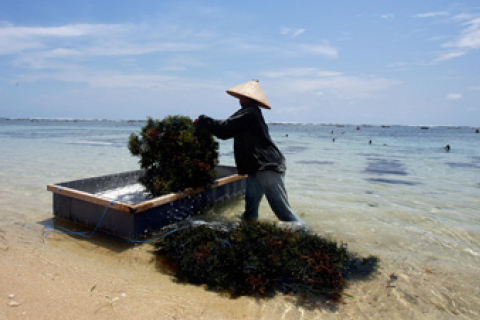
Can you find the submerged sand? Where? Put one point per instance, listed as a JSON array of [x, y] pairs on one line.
[[58, 276]]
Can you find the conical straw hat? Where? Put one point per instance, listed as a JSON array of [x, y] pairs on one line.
[[252, 90]]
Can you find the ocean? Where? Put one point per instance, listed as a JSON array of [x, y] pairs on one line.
[[390, 191]]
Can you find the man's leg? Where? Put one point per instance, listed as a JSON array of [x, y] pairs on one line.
[[253, 196], [273, 185]]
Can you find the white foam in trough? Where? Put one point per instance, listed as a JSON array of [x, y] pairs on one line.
[[130, 194]]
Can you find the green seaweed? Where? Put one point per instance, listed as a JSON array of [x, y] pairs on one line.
[[174, 155], [259, 259]]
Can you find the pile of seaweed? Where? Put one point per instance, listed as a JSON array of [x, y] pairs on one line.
[[175, 155], [260, 259]]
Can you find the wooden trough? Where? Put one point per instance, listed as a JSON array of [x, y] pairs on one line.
[[77, 201]]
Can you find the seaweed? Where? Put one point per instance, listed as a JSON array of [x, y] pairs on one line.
[[175, 155], [260, 259]]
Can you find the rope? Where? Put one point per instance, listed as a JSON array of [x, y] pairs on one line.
[[100, 221], [89, 236]]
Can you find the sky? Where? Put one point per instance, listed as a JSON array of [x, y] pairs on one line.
[[355, 62]]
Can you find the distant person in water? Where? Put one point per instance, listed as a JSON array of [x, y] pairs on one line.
[[255, 152], [447, 147]]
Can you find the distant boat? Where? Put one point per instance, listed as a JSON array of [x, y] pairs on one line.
[[424, 128], [476, 131], [385, 126]]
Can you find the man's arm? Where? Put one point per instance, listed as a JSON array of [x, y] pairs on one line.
[[226, 129]]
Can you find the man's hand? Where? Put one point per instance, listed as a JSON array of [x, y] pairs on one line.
[[200, 120]]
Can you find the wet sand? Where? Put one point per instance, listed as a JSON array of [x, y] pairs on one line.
[[53, 276]]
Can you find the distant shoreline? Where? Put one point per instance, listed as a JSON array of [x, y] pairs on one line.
[[340, 125], [67, 120]]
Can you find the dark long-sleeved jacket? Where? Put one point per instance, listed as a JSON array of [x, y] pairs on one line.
[[253, 147]]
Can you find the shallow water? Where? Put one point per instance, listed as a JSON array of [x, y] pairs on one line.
[[402, 198]]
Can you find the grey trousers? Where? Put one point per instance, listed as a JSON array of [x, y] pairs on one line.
[[272, 185]]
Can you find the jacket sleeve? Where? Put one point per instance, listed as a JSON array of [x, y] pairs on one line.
[[226, 129]]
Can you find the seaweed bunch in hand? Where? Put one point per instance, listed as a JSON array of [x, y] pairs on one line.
[[174, 155]]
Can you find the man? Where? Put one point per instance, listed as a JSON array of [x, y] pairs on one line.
[[255, 152]]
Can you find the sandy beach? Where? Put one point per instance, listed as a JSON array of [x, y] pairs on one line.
[[56, 276]]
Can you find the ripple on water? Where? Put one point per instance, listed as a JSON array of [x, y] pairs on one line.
[[463, 165], [385, 166], [314, 162], [227, 154], [294, 149], [476, 159], [394, 181]]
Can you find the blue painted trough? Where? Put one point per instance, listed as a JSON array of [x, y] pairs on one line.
[[79, 201]]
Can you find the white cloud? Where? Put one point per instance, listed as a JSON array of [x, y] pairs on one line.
[[303, 81], [295, 111], [56, 57], [117, 80], [292, 32], [298, 32], [323, 49], [387, 16], [59, 47], [182, 63], [463, 16], [431, 14], [300, 72], [447, 56], [398, 64], [453, 96], [73, 30], [126, 48], [470, 37], [13, 46], [90, 40], [467, 40], [348, 87]]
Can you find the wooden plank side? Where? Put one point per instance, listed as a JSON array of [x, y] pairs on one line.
[[87, 197], [180, 195], [83, 196]]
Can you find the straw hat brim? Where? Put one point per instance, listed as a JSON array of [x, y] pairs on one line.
[[250, 90]]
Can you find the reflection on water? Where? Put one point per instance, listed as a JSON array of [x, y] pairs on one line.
[[394, 181]]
